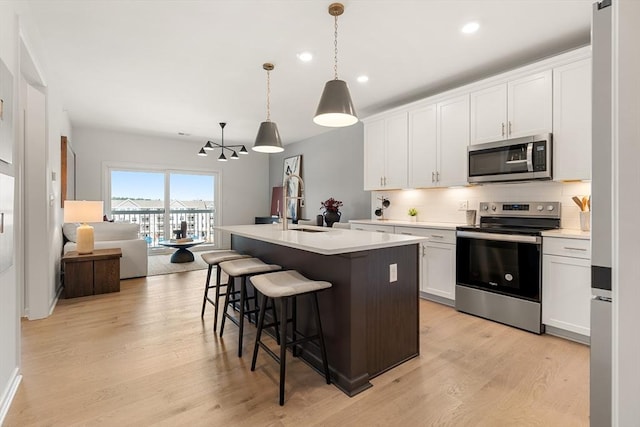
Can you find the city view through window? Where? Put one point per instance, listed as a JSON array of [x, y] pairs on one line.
[[159, 201]]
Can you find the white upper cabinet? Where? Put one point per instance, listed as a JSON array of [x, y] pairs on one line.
[[385, 152], [438, 140], [489, 114], [453, 140], [423, 141], [520, 107], [572, 121]]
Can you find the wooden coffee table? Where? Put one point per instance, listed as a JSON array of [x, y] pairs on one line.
[[182, 254]]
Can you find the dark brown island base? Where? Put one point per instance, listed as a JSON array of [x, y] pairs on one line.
[[370, 315]]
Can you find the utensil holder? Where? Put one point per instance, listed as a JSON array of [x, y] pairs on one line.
[[585, 220], [471, 217]]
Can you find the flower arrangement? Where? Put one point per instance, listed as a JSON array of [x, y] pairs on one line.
[[413, 212], [331, 205]]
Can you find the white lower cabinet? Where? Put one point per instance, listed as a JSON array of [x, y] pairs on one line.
[[372, 227], [566, 285], [438, 263]]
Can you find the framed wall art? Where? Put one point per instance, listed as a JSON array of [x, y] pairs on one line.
[[292, 165]]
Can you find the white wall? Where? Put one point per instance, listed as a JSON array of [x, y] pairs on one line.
[[245, 191], [441, 204], [9, 318], [332, 166]]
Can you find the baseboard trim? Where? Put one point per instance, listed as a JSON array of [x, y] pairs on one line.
[[9, 394], [55, 301], [568, 335], [438, 299]]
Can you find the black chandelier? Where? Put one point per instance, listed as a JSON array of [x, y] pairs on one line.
[[210, 145]]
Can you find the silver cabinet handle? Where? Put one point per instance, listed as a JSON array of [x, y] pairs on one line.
[[1, 222], [509, 127], [569, 248], [406, 234], [438, 176], [380, 181], [502, 128], [381, 231], [433, 176], [424, 250], [385, 181], [437, 236]]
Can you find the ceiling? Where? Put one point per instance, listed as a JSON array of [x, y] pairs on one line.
[[163, 67]]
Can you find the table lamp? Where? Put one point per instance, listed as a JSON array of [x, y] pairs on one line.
[[83, 211]]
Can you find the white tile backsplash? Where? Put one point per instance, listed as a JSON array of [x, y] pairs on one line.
[[441, 204]]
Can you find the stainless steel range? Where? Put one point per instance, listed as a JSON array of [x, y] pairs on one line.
[[499, 262]]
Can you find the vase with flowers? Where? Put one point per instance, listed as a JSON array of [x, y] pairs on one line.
[[331, 209]]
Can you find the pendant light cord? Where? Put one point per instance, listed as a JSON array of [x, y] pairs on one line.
[[335, 46], [268, 95]]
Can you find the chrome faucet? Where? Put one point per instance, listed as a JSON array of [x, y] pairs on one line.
[[285, 207]]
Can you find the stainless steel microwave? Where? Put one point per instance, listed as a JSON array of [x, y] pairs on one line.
[[518, 159]]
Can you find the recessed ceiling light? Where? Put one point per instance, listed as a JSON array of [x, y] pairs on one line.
[[184, 134], [305, 56], [470, 27], [363, 79]]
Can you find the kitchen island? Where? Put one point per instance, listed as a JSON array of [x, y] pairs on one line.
[[370, 315]]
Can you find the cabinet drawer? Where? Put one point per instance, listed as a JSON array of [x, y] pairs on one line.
[[435, 235], [575, 248], [372, 227]]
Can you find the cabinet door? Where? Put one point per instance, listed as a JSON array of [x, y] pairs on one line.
[[529, 105], [572, 121], [566, 293], [438, 270], [374, 136], [488, 114], [395, 176], [423, 139], [453, 139]]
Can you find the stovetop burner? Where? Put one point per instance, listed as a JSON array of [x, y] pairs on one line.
[[528, 218]]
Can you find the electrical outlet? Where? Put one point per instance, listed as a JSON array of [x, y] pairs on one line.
[[393, 273], [463, 205]]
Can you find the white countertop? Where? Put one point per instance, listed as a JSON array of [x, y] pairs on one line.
[[418, 224], [328, 241], [567, 233]]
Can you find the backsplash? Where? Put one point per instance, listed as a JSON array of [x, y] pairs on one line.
[[442, 204]]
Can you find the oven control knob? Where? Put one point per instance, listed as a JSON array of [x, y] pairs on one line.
[[493, 208], [550, 208], [540, 208], [485, 207]]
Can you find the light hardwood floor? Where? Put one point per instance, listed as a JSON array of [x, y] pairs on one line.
[[144, 357]]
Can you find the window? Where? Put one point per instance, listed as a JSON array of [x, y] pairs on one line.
[[159, 200]]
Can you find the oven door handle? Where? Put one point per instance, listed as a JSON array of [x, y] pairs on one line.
[[530, 157], [518, 238]]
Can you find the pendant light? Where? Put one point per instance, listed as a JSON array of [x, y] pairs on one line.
[[268, 138], [335, 108]]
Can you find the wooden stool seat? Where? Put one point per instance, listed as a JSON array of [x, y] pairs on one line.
[[241, 268], [213, 259], [281, 286]]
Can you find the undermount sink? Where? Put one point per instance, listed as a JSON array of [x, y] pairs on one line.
[[308, 230]]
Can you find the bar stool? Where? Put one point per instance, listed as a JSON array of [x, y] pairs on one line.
[[213, 259], [241, 268], [281, 286]]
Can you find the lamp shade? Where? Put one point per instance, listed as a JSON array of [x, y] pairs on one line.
[[335, 108], [82, 211], [268, 139]]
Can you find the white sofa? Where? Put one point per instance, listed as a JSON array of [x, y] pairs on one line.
[[121, 235]]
